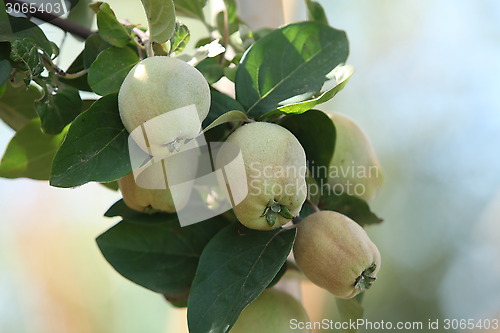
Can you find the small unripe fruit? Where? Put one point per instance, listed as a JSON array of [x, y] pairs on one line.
[[145, 200], [275, 167], [157, 86], [354, 165], [336, 254], [271, 312], [149, 192]]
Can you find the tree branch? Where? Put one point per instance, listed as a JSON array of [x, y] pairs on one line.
[[64, 24]]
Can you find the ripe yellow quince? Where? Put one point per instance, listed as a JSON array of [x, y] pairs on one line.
[[336, 254], [147, 188], [271, 312], [354, 167]]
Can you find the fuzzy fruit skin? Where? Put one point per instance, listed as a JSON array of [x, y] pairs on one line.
[[354, 151], [147, 200], [267, 148], [271, 312], [158, 85], [333, 251]]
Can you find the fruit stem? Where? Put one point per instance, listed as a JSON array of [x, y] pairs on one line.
[[51, 67], [296, 222]]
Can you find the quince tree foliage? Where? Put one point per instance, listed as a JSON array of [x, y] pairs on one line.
[[74, 126]]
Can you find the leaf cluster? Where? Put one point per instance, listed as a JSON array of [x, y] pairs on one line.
[[216, 267]]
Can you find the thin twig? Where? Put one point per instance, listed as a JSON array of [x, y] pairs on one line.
[[64, 24], [71, 76], [139, 38], [143, 37], [49, 64], [296, 222], [140, 49], [225, 37]]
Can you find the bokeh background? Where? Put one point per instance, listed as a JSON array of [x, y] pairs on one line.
[[426, 91]]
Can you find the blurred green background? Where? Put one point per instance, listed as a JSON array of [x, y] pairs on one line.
[[426, 91]]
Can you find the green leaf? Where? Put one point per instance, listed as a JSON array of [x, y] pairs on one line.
[[190, 8], [232, 26], [306, 210], [219, 104], [235, 267], [241, 41], [204, 41], [82, 14], [160, 50], [59, 107], [227, 117], [93, 46], [315, 12], [289, 65], [316, 133], [113, 186], [17, 106], [279, 275], [211, 69], [121, 209], [25, 53], [230, 73], [355, 208], [162, 256], [161, 19], [110, 29], [30, 153], [5, 50], [95, 149], [110, 68], [231, 10], [18, 28], [55, 50], [262, 32], [342, 75], [179, 39], [5, 70], [86, 104], [350, 310]]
